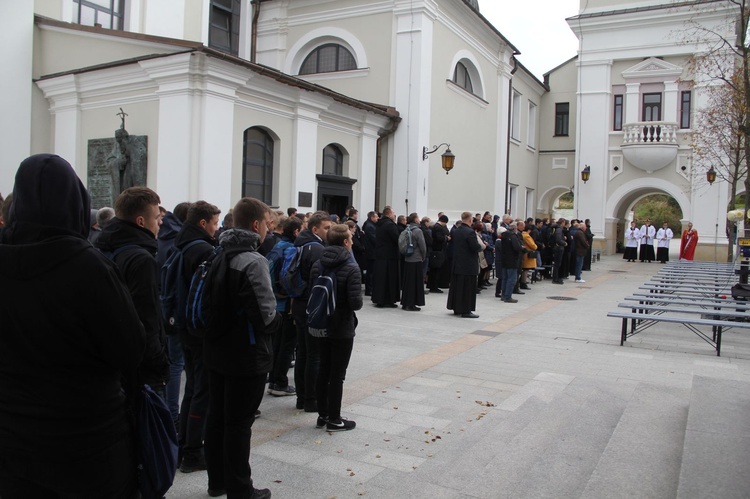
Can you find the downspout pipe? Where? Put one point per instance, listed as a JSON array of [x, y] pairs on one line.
[[507, 139]]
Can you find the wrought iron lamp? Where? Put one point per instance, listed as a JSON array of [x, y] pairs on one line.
[[586, 174], [447, 157], [711, 175]]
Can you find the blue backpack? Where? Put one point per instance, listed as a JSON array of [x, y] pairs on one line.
[[322, 302], [292, 280], [280, 256], [207, 280], [172, 291]]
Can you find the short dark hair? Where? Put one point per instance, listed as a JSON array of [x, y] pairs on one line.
[[290, 225], [413, 218], [181, 211], [387, 211], [134, 201], [352, 212], [104, 215], [228, 219], [337, 234], [317, 218], [201, 210], [291, 211], [247, 211], [371, 214]]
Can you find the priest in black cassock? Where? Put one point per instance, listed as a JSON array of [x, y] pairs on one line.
[[386, 284], [462, 294]]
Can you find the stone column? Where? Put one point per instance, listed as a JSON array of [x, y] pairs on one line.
[[62, 94]]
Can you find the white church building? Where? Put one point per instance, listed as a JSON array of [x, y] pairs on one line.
[[322, 104]]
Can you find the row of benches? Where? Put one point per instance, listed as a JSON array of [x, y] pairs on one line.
[[696, 295]]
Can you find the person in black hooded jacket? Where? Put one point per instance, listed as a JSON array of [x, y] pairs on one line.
[[70, 344], [130, 241], [336, 350]]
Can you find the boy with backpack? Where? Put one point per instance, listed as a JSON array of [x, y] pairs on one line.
[[285, 338], [332, 312], [237, 349], [193, 244]]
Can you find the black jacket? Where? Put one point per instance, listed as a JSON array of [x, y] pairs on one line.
[[369, 228], [466, 250], [310, 255], [358, 246], [140, 274], [70, 339], [439, 237], [170, 227], [511, 249], [386, 240], [242, 345], [348, 289], [192, 257]]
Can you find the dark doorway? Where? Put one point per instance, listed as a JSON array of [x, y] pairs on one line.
[[334, 193]]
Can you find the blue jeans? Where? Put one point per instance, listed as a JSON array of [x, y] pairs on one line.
[[176, 366], [579, 266], [509, 282]]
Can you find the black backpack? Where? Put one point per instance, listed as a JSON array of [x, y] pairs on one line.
[[173, 292], [322, 302]]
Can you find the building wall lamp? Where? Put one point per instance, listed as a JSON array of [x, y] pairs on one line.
[[447, 157], [586, 174], [711, 175]]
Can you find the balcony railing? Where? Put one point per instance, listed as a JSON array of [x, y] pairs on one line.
[[650, 145], [649, 132]]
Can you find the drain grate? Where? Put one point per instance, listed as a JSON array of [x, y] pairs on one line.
[[561, 298], [618, 271]]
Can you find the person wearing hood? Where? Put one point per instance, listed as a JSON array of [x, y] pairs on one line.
[[237, 352], [196, 241], [336, 349], [70, 346], [129, 240], [170, 227], [412, 294], [386, 286]]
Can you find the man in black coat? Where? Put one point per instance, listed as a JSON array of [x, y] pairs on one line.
[[510, 258], [462, 294], [358, 240], [369, 228], [558, 249], [130, 241], [70, 346], [386, 286], [439, 276]]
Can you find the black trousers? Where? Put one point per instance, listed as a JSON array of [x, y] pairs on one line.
[[195, 400], [284, 341], [335, 354], [557, 260], [231, 413], [109, 473], [307, 363]]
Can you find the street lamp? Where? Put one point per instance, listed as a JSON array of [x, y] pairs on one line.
[[586, 174], [711, 175], [447, 158]]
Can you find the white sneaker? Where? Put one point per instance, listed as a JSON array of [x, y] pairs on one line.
[[580, 280]]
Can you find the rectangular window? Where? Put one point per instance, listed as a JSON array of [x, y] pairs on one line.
[[562, 119], [618, 113], [529, 203], [515, 120], [105, 13], [531, 132], [685, 102], [512, 199], [651, 107], [224, 25]]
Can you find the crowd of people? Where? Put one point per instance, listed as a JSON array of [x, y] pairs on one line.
[[85, 326], [639, 242]]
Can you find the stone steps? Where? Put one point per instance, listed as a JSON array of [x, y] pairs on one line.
[[716, 455]]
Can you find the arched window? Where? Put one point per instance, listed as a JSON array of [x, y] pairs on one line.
[[462, 78], [257, 172], [333, 160], [327, 59]]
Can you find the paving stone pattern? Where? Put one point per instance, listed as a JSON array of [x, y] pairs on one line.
[[533, 399]]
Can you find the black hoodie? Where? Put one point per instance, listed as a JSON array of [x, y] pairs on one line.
[[70, 332], [139, 271]]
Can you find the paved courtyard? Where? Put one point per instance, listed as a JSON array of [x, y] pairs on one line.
[[534, 399]]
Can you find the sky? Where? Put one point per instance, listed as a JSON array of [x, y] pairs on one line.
[[537, 28]]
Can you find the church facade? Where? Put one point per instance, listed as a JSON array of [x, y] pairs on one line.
[[323, 104]]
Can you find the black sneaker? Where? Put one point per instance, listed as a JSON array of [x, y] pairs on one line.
[[277, 391], [261, 494], [321, 422], [340, 425]]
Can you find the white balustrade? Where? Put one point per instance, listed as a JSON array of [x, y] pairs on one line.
[[650, 132]]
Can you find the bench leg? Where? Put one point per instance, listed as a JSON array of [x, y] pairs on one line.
[[624, 332], [718, 342]]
